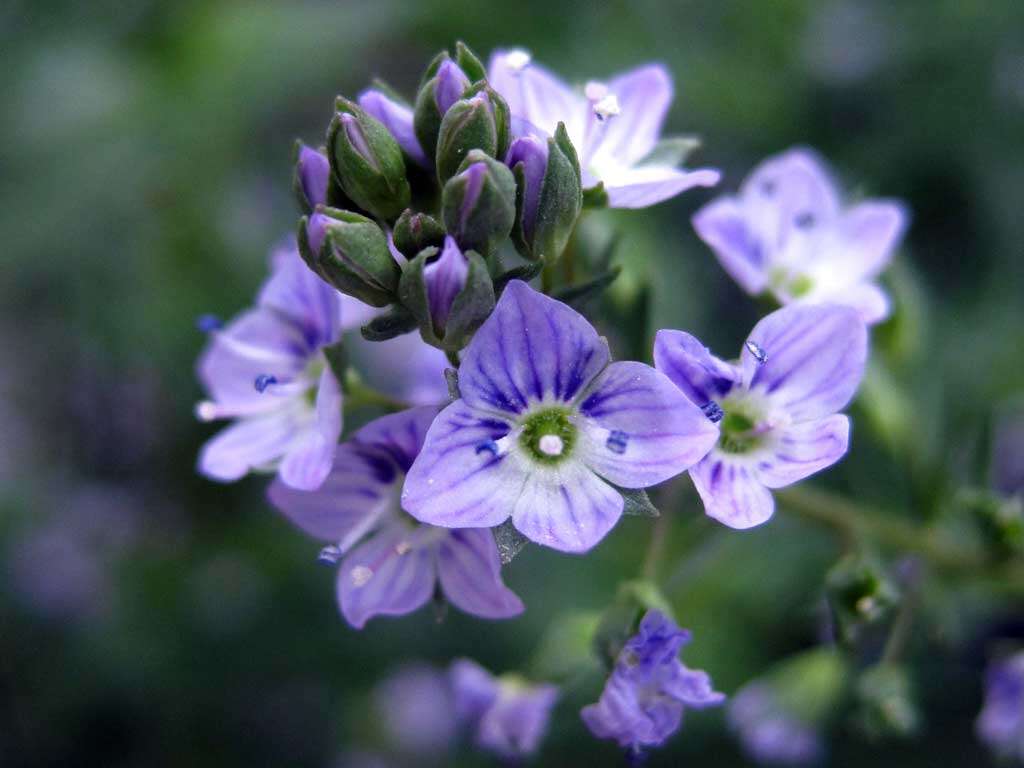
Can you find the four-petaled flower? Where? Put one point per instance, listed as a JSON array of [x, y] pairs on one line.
[[788, 233], [1001, 722], [776, 410], [267, 369], [614, 126], [508, 715], [644, 698], [389, 563], [544, 427]]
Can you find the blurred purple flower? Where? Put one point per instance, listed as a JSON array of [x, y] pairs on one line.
[[267, 370], [314, 172], [776, 410], [390, 565], [788, 233], [546, 423], [1001, 722], [397, 118], [508, 716], [769, 732], [415, 706], [614, 126], [644, 698]]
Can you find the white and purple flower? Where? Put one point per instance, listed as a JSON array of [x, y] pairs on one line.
[[644, 698], [1001, 722], [389, 564], [614, 126], [787, 233], [547, 426], [267, 370], [508, 715], [777, 410]]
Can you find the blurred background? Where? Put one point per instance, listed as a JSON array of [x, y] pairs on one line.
[[151, 617]]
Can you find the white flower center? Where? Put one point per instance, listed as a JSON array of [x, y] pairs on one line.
[[518, 60], [551, 445]]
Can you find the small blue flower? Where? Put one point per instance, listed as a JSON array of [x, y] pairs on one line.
[[643, 701], [1001, 722]]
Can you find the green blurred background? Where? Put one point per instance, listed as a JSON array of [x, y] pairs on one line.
[[150, 617]]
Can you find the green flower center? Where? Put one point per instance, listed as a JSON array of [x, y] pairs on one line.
[[783, 281], [548, 436], [739, 427]]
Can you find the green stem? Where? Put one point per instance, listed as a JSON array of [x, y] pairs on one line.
[[453, 358]]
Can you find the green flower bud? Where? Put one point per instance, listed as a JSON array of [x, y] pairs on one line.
[[860, 594], [885, 702], [445, 82], [479, 203], [415, 231], [351, 253], [479, 121], [367, 161]]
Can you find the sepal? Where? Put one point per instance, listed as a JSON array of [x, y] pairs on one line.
[[415, 231], [479, 203], [480, 121]]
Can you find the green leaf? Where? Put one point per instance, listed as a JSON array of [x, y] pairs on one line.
[[595, 197], [469, 62], [526, 273], [579, 294], [337, 359]]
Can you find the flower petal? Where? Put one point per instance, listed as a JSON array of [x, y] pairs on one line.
[[815, 358], [298, 294], [306, 465], [470, 573], [474, 688], [644, 185], [515, 725], [461, 479], [403, 368], [531, 349], [803, 449], [253, 442], [690, 365], [386, 576], [786, 189], [639, 429], [355, 313], [399, 435], [352, 500], [566, 507], [619, 715], [536, 95], [644, 96], [861, 243], [723, 225], [693, 687], [397, 118], [731, 493]]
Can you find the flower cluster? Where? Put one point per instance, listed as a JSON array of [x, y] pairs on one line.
[[425, 223]]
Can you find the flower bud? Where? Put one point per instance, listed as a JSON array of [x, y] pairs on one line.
[[367, 161], [450, 294], [886, 705], [479, 203], [415, 231], [445, 82], [351, 253], [860, 594], [312, 176], [479, 121], [549, 194], [396, 116]]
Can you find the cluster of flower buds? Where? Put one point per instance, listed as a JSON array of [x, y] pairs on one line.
[[409, 207]]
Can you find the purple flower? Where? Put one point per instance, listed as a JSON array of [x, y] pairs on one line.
[[643, 701], [451, 84], [445, 277], [403, 368], [1001, 722], [776, 409], [397, 118], [267, 371], [769, 732], [787, 233], [389, 564], [314, 172], [414, 704], [508, 715], [614, 126], [545, 425]]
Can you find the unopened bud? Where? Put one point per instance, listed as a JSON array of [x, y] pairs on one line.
[[479, 203]]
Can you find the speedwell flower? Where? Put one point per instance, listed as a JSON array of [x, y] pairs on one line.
[[390, 565], [614, 126], [508, 715], [776, 409], [267, 370], [545, 425], [643, 701], [788, 233], [1001, 722]]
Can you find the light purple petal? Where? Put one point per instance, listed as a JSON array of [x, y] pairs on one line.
[[470, 573], [389, 575], [723, 225], [354, 498], [451, 84], [445, 277], [461, 479], [397, 118], [251, 443], [306, 465], [398, 435], [355, 314], [815, 358], [869, 232], [532, 152], [638, 429], [803, 449], [731, 493], [531, 349], [645, 185], [536, 95], [516, 723], [567, 507], [786, 188], [403, 368], [644, 95], [619, 715], [314, 173], [297, 293], [690, 365], [693, 687], [475, 689]]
